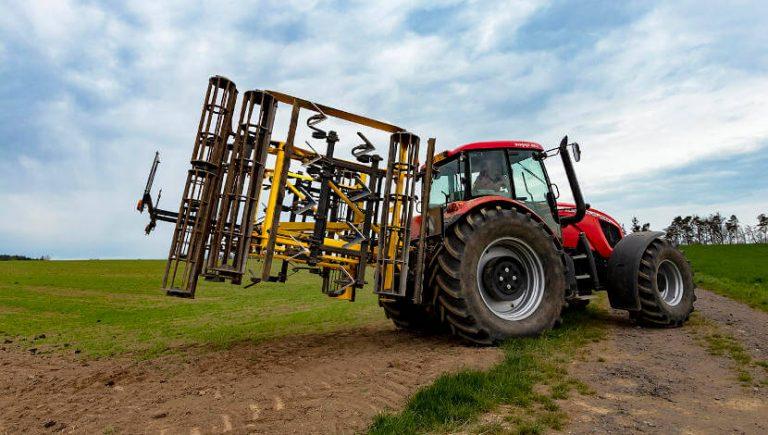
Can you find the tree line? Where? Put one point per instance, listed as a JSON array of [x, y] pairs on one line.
[[6, 257], [714, 229]]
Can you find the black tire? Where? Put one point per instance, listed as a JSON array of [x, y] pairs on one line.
[[459, 302], [658, 305], [409, 316]]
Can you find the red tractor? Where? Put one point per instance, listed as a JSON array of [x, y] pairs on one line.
[[491, 254], [507, 258]]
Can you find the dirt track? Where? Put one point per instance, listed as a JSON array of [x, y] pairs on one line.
[[333, 383], [664, 380], [647, 380]]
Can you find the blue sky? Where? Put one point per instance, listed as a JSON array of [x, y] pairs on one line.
[[669, 100]]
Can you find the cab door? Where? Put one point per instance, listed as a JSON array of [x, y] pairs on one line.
[[531, 185]]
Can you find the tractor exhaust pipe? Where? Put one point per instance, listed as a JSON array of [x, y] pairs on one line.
[[581, 207]]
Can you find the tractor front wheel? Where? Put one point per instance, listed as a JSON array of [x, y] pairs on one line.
[[665, 286], [499, 275]]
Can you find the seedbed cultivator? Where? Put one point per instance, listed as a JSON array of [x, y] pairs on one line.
[[471, 240]]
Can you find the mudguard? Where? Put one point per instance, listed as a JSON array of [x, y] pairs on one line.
[[623, 267]]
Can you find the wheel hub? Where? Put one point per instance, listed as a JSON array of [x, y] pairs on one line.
[[669, 282], [505, 278], [510, 278]]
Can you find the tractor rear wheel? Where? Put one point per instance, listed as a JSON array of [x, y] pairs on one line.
[[409, 316], [665, 286], [499, 275]]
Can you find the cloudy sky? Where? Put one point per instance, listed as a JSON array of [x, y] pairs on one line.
[[669, 100]]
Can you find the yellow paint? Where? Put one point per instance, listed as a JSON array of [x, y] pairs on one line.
[[358, 214], [392, 244], [272, 205], [310, 226], [295, 191]]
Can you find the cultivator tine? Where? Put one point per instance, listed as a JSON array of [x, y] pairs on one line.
[[308, 204], [314, 160], [200, 197], [359, 236], [316, 119], [363, 193], [363, 151]]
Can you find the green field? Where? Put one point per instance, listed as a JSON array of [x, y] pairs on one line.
[[736, 271], [112, 307], [104, 308]]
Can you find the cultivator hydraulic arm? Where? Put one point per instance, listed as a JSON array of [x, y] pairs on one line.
[[248, 195], [146, 201]]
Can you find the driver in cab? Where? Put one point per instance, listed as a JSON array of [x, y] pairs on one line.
[[491, 178]]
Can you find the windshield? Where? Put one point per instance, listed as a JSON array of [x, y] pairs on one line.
[[490, 173], [447, 184], [530, 184]]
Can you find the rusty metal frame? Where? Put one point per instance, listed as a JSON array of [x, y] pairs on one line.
[[340, 211]]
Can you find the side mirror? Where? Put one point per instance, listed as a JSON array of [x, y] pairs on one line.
[[576, 151]]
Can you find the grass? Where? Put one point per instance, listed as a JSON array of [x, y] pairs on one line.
[[454, 401], [737, 271], [719, 343], [104, 308]]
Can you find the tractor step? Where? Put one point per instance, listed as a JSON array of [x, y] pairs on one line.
[[585, 267]]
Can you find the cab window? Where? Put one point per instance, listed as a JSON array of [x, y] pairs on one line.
[[447, 184], [531, 185], [488, 173]]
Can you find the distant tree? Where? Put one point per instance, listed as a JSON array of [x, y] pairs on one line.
[[732, 229], [762, 226], [698, 229], [7, 257], [637, 226], [712, 229], [675, 231]]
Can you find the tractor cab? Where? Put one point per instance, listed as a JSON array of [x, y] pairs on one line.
[[509, 170]]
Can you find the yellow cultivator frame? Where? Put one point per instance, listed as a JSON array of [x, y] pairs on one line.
[[331, 216]]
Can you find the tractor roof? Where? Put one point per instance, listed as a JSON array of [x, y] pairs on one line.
[[496, 144]]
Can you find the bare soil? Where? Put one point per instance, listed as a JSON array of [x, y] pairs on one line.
[[665, 380], [645, 380], [333, 383]]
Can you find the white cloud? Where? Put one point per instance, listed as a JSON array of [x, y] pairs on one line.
[[650, 98], [644, 96]]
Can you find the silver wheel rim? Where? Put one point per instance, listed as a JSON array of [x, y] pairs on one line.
[[510, 277], [669, 281]]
